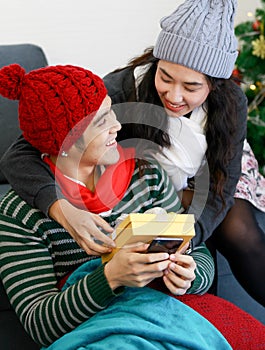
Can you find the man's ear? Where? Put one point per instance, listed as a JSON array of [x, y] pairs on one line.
[[80, 144]]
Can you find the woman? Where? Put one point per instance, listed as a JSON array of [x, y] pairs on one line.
[[186, 45], [95, 174], [186, 53]]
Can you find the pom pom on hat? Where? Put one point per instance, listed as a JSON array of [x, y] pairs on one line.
[[11, 78], [54, 102], [199, 34]]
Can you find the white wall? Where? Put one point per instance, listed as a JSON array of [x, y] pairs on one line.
[[100, 35]]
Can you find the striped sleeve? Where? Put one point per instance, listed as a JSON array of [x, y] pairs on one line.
[[204, 271], [28, 276]]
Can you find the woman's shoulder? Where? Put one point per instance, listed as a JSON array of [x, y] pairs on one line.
[[239, 93], [120, 84], [241, 103]]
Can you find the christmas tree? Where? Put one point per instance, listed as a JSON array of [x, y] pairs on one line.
[[250, 69]]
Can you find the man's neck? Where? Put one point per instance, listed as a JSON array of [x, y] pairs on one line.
[[86, 175]]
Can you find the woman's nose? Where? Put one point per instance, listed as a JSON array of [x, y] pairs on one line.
[[175, 95]]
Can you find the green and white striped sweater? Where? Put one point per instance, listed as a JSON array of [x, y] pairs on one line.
[[36, 252]]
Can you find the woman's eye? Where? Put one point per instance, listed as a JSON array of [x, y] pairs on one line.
[[165, 80], [190, 90]]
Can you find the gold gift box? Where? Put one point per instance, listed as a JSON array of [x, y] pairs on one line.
[[145, 227]]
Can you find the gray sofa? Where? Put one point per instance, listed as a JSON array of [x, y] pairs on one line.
[[12, 335]]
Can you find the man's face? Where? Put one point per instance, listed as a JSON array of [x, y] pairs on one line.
[[100, 137]]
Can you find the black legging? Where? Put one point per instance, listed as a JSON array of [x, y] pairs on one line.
[[242, 242]]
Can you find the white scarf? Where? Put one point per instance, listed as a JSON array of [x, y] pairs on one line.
[[188, 146]]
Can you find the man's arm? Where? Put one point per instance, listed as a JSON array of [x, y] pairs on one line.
[[204, 271]]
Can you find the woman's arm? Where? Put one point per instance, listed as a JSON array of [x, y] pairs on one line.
[[210, 214], [29, 175], [33, 180], [120, 85], [83, 226]]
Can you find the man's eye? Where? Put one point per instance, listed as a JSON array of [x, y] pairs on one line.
[[102, 122]]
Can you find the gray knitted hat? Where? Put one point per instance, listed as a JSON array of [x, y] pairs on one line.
[[199, 34]]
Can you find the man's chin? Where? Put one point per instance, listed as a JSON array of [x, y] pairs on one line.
[[111, 157]]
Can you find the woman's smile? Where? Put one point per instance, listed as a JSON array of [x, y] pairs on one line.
[[176, 108]]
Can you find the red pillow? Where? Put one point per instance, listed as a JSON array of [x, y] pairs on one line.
[[241, 330]]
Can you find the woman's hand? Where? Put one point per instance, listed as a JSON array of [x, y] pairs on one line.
[[186, 198], [131, 267], [83, 226], [180, 273]]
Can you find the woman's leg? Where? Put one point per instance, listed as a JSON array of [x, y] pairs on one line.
[[242, 242]]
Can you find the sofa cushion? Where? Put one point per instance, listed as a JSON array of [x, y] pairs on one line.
[[30, 57], [12, 334], [4, 302], [241, 330]]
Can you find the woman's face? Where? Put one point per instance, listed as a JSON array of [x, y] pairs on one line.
[[180, 89]]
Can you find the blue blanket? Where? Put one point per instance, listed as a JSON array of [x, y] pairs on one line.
[[141, 318]]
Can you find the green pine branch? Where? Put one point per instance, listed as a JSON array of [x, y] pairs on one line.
[[252, 69]]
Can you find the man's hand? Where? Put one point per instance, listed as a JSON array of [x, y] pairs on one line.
[[132, 267], [180, 272]]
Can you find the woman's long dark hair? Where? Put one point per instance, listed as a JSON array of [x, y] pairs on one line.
[[220, 125], [220, 129]]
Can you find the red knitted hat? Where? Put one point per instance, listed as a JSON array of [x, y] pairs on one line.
[[52, 102]]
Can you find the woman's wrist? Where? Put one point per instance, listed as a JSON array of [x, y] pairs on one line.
[[56, 211]]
